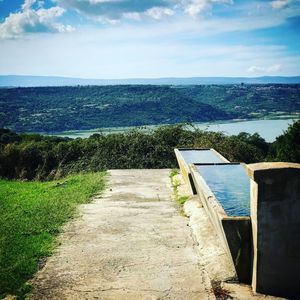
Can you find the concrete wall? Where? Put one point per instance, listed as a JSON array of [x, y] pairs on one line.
[[185, 171], [275, 216], [239, 239]]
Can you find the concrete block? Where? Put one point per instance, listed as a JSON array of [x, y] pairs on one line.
[[275, 216]]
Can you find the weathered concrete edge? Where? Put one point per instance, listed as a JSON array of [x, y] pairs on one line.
[[254, 170], [220, 155], [185, 169]]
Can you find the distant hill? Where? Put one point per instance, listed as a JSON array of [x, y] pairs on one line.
[[35, 81], [54, 109]]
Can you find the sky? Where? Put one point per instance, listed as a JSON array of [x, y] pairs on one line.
[[110, 39]]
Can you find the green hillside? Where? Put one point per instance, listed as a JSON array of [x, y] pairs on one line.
[[54, 109], [248, 101]]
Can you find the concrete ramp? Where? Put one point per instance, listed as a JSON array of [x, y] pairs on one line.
[[130, 243]]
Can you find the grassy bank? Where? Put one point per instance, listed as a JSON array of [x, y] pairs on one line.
[[31, 216], [175, 183]]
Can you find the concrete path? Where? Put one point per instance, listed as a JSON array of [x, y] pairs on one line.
[[131, 243]]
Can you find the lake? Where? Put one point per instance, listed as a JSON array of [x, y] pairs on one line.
[[231, 186], [268, 129]]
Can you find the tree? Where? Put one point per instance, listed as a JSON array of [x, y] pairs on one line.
[[287, 146]]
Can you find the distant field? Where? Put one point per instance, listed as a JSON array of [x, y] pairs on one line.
[[31, 216]]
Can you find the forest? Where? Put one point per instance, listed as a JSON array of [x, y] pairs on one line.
[[38, 157], [56, 109]]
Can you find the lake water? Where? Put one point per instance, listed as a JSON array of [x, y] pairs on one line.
[[200, 156], [268, 129], [231, 186]]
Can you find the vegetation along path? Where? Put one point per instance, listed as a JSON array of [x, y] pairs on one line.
[[130, 243]]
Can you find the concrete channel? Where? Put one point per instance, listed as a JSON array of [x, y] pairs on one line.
[[255, 211]]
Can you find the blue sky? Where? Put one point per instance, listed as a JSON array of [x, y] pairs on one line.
[[149, 38]]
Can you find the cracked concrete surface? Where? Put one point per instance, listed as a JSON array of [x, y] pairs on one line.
[[129, 243]]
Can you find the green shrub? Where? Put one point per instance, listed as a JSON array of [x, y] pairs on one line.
[[43, 158]]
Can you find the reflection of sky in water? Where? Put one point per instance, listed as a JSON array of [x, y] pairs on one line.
[[200, 156], [267, 129], [231, 186]]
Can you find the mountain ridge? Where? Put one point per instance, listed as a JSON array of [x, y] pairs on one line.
[[36, 81]]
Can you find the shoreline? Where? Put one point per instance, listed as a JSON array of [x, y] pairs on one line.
[[121, 129]]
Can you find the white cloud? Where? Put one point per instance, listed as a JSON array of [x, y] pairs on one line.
[[27, 4], [274, 68], [133, 16], [117, 9], [196, 7], [159, 12], [278, 4], [29, 20], [136, 9], [176, 46], [154, 50], [260, 69], [156, 13], [41, 3], [101, 1]]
